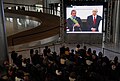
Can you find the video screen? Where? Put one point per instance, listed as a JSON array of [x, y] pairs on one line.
[[84, 19]]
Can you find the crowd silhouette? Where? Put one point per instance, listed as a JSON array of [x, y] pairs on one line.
[[80, 64]]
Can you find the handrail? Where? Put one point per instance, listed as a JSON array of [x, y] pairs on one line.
[[111, 50], [16, 4], [36, 32], [45, 9], [28, 9], [25, 5], [35, 47]]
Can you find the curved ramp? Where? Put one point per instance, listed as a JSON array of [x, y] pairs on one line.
[[49, 27]]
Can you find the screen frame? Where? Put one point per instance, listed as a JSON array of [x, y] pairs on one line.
[[86, 3], [85, 6]]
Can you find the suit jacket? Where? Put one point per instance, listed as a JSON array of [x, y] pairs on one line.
[[70, 24], [90, 23]]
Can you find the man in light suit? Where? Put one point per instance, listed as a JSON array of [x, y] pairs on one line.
[[93, 21], [74, 23]]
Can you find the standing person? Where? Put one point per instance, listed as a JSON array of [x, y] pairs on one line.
[[36, 58], [51, 6], [74, 23], [93, 21], [56, 7], [46, 51], [31, 54], [77, 49], [14, 56]]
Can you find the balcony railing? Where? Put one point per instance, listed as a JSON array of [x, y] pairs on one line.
[[34, 8]]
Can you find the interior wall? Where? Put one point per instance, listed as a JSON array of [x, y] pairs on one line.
[[53, 1], [27, 2]]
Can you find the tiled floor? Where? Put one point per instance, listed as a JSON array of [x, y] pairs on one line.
[[97, 47]]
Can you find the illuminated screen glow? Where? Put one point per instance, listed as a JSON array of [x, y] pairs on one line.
[[84, 17]]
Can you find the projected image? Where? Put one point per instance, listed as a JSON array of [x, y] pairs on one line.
[[84, 19]]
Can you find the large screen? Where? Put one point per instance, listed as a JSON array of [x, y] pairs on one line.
[[84, 19]]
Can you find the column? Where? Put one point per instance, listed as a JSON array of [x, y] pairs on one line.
[[3, 42], [114, 21], [15, 25], [45, 6], [117, 23]]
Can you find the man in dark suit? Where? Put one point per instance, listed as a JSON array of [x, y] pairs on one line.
[[74, 23], [93, 21]]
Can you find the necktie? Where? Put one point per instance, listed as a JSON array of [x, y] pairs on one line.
[[94, 20]]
